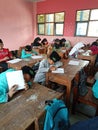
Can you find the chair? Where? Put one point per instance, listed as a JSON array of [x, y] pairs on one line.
[[88, 99]]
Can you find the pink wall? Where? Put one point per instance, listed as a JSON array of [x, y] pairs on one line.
[[16, 23], [70, 7]]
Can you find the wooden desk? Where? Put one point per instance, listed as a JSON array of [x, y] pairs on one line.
[[25, 109], [90, 58], [66, 79], [28, 62]]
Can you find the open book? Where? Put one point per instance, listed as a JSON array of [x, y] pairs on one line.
[[58, 70], [15, 78]]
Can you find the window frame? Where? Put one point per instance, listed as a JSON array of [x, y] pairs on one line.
[[88, 21], [54, 24]]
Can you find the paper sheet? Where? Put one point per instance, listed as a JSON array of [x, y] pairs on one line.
[[14, 61], [73, 62], [58, 70], [15, 77], [37, 57]]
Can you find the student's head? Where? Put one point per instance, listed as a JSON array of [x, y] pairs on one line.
[[62, 42], [57, 43], [28, 73], [28, 48], [97, 40], [37, 39], [54, 57], [1, 44], [44, 41]]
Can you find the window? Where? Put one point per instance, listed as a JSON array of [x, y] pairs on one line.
[[50, 24], [87, 23]]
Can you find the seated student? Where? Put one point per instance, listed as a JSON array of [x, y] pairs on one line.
[[4, 56], [28, 52], [62, 42], [95, 43], [46, 65], [5, 94], [44, 42], [56, 46], [37, 42], [75, 49]]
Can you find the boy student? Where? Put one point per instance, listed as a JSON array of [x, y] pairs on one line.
[[5, 93], [28, 52], [46, 65], [4, 56]]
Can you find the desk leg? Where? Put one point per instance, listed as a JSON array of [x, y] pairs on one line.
[[36, 125], [67, 94]]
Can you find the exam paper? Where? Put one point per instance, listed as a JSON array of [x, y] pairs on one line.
[[14, 61], [73, 62], [58, 70], [37, 57]]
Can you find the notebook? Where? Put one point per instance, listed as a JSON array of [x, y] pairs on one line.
[[15, 77], [37, 57], [58, 70], [14, 61]]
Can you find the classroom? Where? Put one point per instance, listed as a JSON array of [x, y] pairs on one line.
[[48, 65]]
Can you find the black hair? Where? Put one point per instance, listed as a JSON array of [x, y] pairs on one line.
[[28, 70], [56, 40], [28, 48], [1, 41], [62, 42], [43, 41], [37, 39], [36, 42]]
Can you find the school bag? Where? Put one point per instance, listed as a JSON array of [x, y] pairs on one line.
[[82, 83], [57, 117]]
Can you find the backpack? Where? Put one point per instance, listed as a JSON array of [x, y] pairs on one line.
[[82, 83], [57, 117]]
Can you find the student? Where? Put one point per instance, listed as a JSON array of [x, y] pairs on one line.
[[95, 89], [75, 49], [56, 45], [65, 44], [5, 94], [46, 65], [37, 42], [44, 42], [5, 55], [62, 42], [95, 43], [28, 52]]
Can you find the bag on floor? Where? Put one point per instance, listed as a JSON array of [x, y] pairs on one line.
[[57, 117]]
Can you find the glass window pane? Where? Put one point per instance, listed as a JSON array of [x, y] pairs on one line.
[[81, 29], [41, 18], [59, 29], [82, 15], [94, 14], [49, 17], [93, 28], [41, 29], [59, 17], [49, 28]]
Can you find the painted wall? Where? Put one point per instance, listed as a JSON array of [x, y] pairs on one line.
[[70, 7], [16, 23]]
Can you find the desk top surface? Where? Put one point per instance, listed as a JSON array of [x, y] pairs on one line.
[[23, 109], [70, 70]]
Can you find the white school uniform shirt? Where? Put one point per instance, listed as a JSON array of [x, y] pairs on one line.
[[76, 48]]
